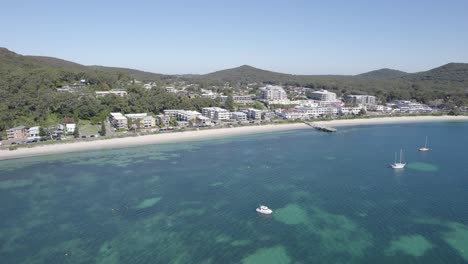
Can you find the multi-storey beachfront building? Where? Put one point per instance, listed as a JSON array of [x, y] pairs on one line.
[[254, 113], [323, 95], [216, 113], [119, 121], [240, 116], [143, 119], [172, 112], [163, 120], [19, 132], [188, 116]]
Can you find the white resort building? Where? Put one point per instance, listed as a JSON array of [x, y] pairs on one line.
[[273, 93], [323, 95], [216, 113]]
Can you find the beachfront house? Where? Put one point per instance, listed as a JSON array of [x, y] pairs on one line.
[[203, 120], [15, 133], [33, 132], [70, 125]]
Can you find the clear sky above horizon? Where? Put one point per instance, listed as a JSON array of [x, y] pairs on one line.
[[301, 37]]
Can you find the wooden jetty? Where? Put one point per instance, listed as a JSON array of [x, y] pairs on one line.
[[321, 127]]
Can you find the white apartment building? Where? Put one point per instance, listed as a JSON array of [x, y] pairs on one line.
[[244, 99], [139, 115], [273, 93], [216, 113], [361, 99], [314, 112], [412, 107], [254, 113], [114, 92], [323, 95], [188, 116], [148, 121], [164, 120], [118, 121], [239, 116], [172, 112], [294, 114], [203, 120], [350, 110]]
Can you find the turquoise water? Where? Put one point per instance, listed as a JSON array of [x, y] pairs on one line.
[[334, 199]]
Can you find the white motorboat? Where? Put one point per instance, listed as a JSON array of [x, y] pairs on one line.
[[264, 210], [398, 165]]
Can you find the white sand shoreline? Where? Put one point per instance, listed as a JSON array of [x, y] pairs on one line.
[[206, 134]]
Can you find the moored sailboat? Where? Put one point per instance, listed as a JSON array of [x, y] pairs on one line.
[[425, 148], [398, 165]]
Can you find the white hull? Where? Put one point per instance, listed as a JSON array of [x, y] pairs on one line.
[[398, 165], [264, 210]]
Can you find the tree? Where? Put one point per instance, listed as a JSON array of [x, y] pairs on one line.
[[42, 132], [362, 112], [258, 105], [76, 133], [103, 128], [229, 104]]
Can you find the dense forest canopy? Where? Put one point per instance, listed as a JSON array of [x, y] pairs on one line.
[[29, 97]]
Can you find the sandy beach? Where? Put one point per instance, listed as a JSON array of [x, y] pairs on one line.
[[206, 134]]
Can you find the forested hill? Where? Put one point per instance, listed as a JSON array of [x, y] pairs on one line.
[[10, 61], [451, 72], [28, 94], [382, 74], [249, 74]]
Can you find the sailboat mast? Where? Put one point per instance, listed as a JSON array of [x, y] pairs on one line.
[[425, 145], [401, 153]]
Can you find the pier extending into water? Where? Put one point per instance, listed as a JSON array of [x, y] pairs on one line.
[[321, 127]]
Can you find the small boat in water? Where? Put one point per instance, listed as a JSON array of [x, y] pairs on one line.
[[398, 165], [264, 210], [425, 148]]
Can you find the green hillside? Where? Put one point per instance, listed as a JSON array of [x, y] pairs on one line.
[[29, 96], [382, 74], [451, 72]]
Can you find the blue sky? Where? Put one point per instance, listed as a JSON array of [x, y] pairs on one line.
[[301, 37]]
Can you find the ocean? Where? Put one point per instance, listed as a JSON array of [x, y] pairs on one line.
[[334, 200]]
